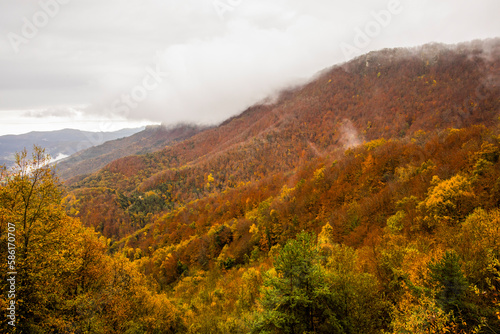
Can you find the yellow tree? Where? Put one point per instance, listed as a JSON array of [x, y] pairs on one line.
[[40, 240], [63, 280], [447, 201]]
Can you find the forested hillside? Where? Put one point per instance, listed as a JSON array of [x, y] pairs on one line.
[[367, 201], [390, 94]]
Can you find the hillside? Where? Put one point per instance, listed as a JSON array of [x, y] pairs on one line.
[[149, 140], [366, 201], [386, 94], [58, 144]]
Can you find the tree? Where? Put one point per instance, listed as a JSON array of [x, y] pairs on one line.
[[420, 315], [447, 201], [452, 283], [46, 243], [293, 293], [302, 296], [65, 282], [479, 246], [354, 297]]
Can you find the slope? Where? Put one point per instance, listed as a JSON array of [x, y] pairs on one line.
[[385, 94]]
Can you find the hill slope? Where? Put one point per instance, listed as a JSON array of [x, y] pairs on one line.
[[386, 94]]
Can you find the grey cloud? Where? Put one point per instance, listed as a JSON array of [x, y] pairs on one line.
[[94, 52], [51, 112]]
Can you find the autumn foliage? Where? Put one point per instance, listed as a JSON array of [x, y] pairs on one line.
[[367, 201]]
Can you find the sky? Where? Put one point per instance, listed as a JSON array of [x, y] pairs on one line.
[[103, 65]]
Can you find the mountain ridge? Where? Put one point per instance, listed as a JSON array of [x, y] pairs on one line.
[[345, 105]]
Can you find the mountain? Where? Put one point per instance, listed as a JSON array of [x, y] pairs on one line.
[[59, 144], [149, 140], [390, 94]]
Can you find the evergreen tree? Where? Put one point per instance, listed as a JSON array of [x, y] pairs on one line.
[[453, 284], [294, 297]]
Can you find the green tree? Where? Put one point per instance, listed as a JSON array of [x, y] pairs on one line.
[[294, 292], [354, 297], [302, 296], [452, 284]]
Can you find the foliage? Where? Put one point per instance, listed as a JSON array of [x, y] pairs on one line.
[[301, 295], [216, 233], [447, 201], [452, 284], [294, 296], [65, 282]]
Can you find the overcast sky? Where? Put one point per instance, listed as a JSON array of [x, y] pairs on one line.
[[107, 64]]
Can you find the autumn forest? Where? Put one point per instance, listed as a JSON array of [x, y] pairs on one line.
[[365, 201]]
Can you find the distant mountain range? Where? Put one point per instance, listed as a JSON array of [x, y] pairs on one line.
[[151, 139], [59, 144]]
